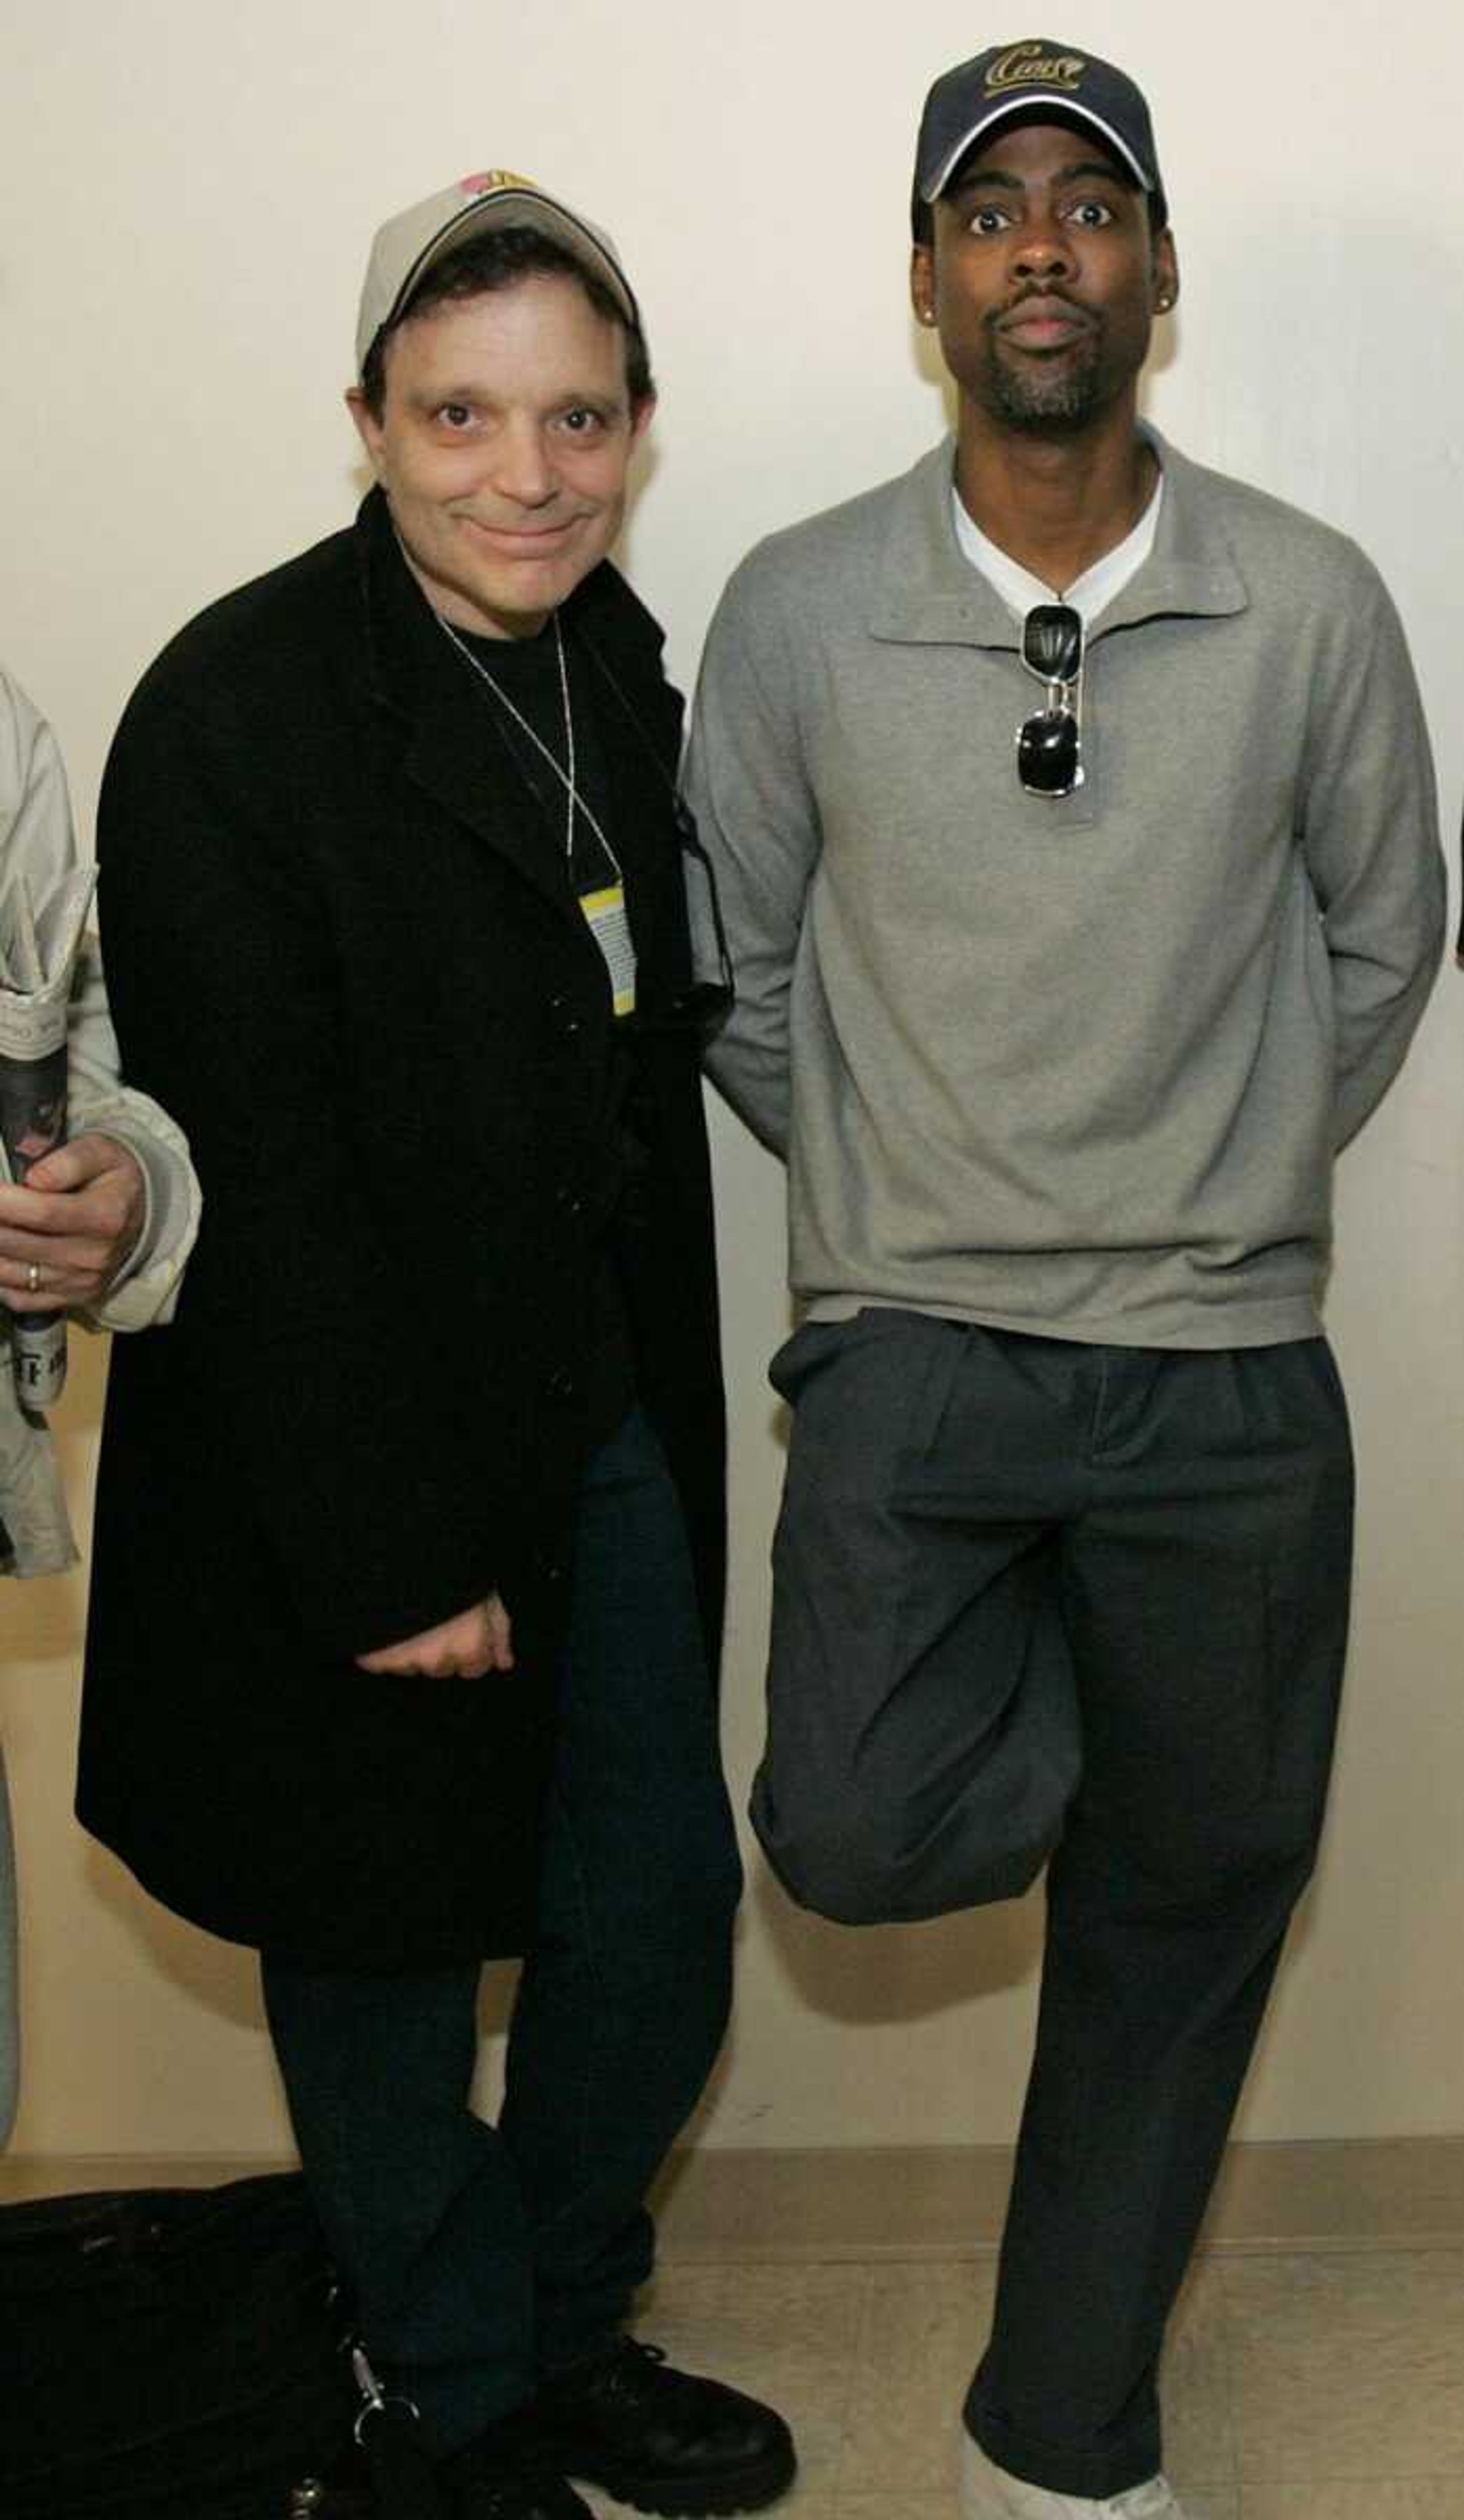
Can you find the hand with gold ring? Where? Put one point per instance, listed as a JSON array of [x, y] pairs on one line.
[[68, 1230]]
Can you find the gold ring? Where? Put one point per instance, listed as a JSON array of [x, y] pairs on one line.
[[33, 1278]]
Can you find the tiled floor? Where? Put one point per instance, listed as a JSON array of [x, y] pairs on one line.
[[1319, 2382], [1299, 2388]]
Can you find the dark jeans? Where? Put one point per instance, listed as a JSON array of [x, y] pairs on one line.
[[1163, 1537], [484, 2257]]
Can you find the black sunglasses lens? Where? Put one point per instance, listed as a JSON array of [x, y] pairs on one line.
[[1052, 641], [1047, 753]]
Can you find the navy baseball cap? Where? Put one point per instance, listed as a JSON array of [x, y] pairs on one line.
[[980, 94]]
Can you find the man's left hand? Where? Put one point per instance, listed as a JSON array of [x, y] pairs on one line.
[[65, 1235]]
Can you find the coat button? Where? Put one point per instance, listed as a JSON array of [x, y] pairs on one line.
[[561, 1384], [568, 1200]]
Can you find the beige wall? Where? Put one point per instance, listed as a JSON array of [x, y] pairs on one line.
[[188, 188]]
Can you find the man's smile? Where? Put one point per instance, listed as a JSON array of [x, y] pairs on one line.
[[528, 539]]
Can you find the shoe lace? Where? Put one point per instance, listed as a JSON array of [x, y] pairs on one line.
[[639, 2372], [635, 2368]]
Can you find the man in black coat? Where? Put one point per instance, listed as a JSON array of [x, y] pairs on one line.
[[409, 1556]]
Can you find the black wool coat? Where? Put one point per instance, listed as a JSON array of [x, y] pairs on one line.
[[342, 949]]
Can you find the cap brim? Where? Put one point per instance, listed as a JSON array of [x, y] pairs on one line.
[[1032, 103]]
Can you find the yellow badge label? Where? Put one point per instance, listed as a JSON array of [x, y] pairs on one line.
[[1027, 66], [605, 910]]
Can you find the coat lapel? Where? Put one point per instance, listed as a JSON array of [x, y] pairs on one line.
[[637, 720], [453, 750]]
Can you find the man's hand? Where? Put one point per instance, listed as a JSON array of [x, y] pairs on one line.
[[477, 1641], [65, 1235]]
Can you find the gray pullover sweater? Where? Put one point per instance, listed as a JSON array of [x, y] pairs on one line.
[[1073, 1067]]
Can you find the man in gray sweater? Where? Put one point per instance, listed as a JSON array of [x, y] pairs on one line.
[[1060, 1037]]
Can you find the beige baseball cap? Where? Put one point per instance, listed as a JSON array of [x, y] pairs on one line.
[[407, 247]]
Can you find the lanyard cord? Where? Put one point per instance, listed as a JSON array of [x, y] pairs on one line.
[[563, 771]]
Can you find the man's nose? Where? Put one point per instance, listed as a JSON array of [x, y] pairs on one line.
[[522, 469], [1043, 251]]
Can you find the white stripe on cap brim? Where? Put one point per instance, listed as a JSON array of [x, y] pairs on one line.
[[1031, 103]]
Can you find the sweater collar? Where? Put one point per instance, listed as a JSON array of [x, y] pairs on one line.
[[929, 593]]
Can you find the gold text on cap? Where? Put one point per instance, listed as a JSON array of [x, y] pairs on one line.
[[1027, 65]]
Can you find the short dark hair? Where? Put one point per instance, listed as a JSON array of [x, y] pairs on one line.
[[498, 260]]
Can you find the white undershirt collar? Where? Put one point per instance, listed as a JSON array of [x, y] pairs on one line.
[[1088, 595]]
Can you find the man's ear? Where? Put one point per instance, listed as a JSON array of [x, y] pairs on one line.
[[642, 417], [922, 282], [1165, 272], [368, 428]]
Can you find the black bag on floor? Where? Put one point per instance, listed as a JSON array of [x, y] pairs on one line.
[[169, 2353]]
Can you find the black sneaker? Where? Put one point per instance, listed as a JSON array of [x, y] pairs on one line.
[[661, 2439]]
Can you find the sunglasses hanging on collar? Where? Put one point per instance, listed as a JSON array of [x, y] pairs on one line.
[[1049, 744]]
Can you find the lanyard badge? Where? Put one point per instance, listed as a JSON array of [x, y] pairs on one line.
[[604, 912]]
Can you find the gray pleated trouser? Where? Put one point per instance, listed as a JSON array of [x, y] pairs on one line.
[[1040, 1599]]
